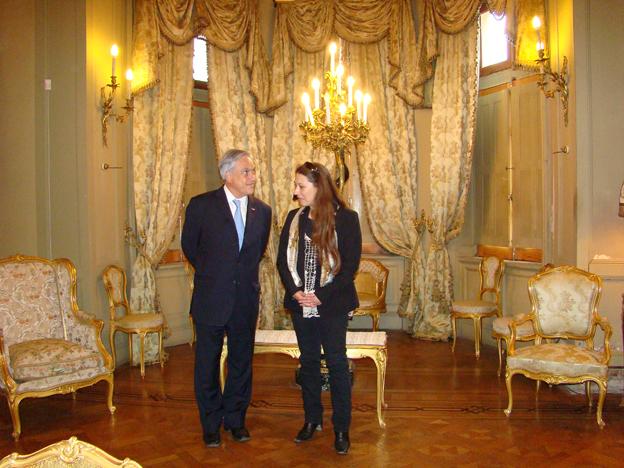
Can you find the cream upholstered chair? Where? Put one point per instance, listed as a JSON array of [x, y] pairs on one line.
[[371, 282], [564, 303], [491, 274], [47, 345], [129, 321], [501, 331], [67, 453]]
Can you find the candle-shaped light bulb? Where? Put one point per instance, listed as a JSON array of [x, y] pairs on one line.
[[316, 85], [367, 100], [358, 102], [339, 73], [537, 24], [342, 108], [332, 56], [114, 52], [305, 100], [350, 83], [129, 77], [327, 110]]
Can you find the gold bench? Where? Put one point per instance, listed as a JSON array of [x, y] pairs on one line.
[[359, 345]]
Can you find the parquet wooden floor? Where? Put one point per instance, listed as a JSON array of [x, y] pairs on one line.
[[444, 410]]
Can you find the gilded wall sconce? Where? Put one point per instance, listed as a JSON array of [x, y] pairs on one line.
[[107, 95], [558, 80]]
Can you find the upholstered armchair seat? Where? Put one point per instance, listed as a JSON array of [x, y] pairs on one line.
[[140, 320], [474, 307], [561, 359], [47, 345], [44, 358]]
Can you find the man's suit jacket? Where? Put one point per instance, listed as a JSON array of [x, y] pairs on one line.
[[340, 295], [224, 275]]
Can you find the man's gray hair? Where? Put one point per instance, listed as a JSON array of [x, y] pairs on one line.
[[229, 158]]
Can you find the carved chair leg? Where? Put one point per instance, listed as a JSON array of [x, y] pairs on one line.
[[160, 349], [454, 329], [476, 323], [111, 340], [499, 345], [17, 425], [109, 395], [508, 377], [588, 393], [602, 386], [375, 317], [193, 335], [142, 341], [130, 349]]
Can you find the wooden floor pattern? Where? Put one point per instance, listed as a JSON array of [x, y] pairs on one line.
[[444, 409]]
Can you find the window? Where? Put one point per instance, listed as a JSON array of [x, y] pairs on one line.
[[495, 47], [200, 62]]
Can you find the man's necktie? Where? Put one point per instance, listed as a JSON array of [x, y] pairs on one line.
[[238, 220]]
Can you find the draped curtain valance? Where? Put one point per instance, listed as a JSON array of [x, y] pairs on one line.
[[226, 24], [309, 25]]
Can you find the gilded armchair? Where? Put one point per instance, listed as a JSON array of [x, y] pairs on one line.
[[491, 274], [564, 303], [47, 345], [129, 321], [500, 329], [371, 282]]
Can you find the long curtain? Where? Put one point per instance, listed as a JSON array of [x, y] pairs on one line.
[[161, 129]]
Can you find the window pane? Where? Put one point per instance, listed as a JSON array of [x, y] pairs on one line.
[[494, 47], [200, 65]]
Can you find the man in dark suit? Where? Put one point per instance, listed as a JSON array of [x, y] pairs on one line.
[[224, 237]]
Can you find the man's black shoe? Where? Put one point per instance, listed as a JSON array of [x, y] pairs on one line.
[[212, 439], [307, 431], [341, 443], [240, 434]]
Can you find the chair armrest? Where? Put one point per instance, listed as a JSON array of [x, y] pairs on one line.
[[5, 368], [603, 323], [87, 330], [513, 326]]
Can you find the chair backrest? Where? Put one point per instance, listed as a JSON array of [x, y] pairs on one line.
[[491, 273], [114, 278], [372, 278], [564, 300], [36, 297]]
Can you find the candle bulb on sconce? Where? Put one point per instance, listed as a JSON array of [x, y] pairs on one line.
[[338, 124], [558, 80], [107, 95]]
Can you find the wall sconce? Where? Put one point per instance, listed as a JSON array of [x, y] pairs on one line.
[[547, 76], [107, 94]]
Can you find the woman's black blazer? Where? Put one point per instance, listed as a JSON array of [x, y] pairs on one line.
[[339, 296]]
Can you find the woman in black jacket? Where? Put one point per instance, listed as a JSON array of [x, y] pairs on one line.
[[319, 254]]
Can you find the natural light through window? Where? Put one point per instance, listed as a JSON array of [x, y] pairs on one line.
[[200, 66], [494, 47]]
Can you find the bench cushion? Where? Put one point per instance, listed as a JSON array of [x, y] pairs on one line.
[[286, 337]]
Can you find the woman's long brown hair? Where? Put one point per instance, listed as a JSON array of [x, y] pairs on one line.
[[326, 203]]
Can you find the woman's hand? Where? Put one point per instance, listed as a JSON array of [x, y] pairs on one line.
[[306, 299]]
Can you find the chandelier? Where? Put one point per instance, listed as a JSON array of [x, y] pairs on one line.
[[338, 122]]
